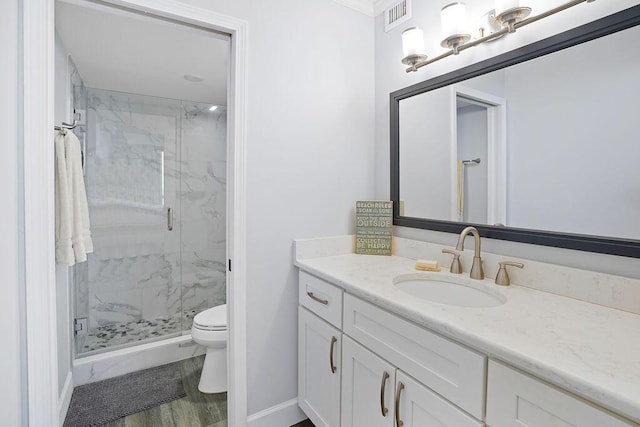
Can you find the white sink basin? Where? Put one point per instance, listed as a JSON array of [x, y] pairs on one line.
[[448, 289]]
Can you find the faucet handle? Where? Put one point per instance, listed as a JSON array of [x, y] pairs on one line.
[[502, 278], [456, 266]]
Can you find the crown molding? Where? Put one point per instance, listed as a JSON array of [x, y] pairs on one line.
[[363, 6]]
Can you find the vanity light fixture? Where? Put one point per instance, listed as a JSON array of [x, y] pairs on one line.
[[213, 108], [508, 16], [413, 46], [454, 26]]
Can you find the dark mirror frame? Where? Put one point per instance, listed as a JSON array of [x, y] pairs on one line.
[[614, 246]]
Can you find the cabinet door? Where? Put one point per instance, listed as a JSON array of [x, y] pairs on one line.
[[515, 399], [367, 387], [319, 351], [448, 368], [417, 406]]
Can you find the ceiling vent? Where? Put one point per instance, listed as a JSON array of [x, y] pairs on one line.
[[396, 14]]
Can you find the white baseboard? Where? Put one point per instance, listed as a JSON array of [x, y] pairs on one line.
[[65, 398], [283, 414]]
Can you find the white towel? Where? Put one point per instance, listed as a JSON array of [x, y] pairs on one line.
[[72, 209], [64, 216]]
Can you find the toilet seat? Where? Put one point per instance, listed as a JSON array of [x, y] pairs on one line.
[[212, 319]]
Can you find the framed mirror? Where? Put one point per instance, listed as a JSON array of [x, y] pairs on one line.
[[538, 145]]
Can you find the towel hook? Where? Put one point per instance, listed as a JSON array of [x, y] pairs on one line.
[[64, 126]]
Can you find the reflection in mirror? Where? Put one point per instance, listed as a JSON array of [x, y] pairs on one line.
[[569, 159]]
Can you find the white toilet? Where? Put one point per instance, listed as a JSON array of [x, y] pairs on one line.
[[210, 330]]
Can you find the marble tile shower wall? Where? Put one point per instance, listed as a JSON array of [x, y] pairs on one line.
[[203, 172], [143, 156]]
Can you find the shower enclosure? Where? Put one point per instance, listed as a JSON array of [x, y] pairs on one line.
[[155, 173]]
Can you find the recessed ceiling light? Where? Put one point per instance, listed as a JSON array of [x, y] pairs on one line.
[[192, 78], [213, 108]]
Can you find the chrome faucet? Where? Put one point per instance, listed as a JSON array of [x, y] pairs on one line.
[[476, 268]]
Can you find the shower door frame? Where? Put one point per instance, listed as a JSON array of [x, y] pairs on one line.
[[37, 78]]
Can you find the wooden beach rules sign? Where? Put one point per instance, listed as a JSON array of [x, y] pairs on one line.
[[373, 227]]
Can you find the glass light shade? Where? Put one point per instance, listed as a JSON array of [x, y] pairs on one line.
[[454, 19], [412, 42], [502, 5]]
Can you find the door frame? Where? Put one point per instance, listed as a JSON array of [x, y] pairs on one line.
[[36, 124], [496, 151]]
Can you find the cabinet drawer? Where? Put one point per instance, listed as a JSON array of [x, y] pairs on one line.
[[516, 399], [453, 371], [321, 298]]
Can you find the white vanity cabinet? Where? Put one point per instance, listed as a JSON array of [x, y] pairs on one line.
[[363, 366], [377, 394]]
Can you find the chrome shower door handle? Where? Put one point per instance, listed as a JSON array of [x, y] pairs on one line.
[[170, 219]]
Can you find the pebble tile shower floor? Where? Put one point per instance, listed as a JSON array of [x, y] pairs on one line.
[[118, 334]]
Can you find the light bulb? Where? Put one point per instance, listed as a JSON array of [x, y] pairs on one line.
[[412, 41], [454, 19], [503, 5]]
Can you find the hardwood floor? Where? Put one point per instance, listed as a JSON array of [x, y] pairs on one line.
[[194, 410]]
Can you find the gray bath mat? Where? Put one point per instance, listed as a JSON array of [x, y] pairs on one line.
[[105, 401]]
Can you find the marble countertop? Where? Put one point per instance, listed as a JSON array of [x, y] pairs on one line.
[[587, 349]]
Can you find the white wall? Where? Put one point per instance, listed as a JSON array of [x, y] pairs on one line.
[[63, 287], [310, 157], [10, 277], [390, 76]]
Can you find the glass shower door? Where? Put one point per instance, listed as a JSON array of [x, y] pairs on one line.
[[129, 289]]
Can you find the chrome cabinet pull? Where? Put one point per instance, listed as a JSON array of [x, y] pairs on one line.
[[170, 219], [385, 376], [334, 340], [399, 422], [315, 298]]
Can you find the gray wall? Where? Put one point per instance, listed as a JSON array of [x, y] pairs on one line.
[[11, 392], [390, 75]]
